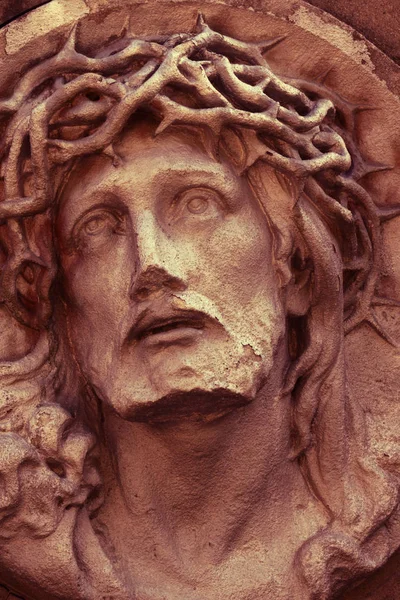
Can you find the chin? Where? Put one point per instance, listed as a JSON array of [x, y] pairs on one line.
[[201, 381], [191, 405], [185, 394]]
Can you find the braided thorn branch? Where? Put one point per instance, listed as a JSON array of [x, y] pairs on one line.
[[19, 255], [174, 113], [88, 114], [11, 170], [25, 206], [68, 60], [232, 86]]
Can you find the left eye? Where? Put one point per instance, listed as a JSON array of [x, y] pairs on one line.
[[197, 205], [201, 202]]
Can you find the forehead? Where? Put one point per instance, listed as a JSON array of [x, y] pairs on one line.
[[138, 144], [145, 160]]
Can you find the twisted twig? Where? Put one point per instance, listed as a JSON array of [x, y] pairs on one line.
[[230, 85]]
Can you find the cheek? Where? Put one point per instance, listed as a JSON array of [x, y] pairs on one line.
[[97, 286], [238, 259]]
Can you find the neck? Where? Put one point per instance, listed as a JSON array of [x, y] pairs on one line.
[[197, 492]]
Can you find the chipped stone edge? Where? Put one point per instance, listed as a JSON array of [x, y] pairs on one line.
[[337, 34], [48, 18]]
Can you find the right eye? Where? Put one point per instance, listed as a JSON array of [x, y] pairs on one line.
[[197, 205], [99, 226]]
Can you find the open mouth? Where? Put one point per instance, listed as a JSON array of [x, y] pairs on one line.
[[169, 325], [167, 328]]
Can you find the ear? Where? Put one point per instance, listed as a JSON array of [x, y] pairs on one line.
[[32, 284], [28, 273], [299, 289]]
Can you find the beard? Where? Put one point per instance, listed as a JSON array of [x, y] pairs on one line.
[[193, 406], [203, 369]]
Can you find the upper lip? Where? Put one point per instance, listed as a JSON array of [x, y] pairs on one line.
[[149, 323]]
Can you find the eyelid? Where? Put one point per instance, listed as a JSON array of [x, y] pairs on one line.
[[118, 213], [98, 208], [194, 191]]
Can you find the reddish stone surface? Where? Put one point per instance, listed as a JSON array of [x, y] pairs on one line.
[[179, 405], [10, 9], [379, 22]]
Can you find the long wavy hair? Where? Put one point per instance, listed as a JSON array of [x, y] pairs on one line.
[[294, 133]]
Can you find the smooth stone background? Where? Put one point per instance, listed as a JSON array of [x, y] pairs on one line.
[[378, 21]]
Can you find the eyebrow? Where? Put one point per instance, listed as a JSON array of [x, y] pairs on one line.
[[221, 177], [103, 198], [107, 195]]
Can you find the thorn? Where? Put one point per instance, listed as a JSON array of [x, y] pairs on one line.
[[31, 257], [386, 213], [267, 45], [262, 84], [170, 114], [273, 110], [6, 107], [70, 44], [352, 110], [373, 322], [56, 144], [356, 264], [165, 123], [125, 27], [205, 63], [201, 25], [211, 142], [368, 168], [215, 126], [376, 167], [59, 82], [110, 152], [363, 108], [255, 148]]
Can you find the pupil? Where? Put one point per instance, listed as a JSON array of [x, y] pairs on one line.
[[197, 205], [93, 224]]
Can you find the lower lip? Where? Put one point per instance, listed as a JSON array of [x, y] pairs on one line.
[[180, 335]]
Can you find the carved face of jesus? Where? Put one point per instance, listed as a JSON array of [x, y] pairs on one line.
[[168, 276]]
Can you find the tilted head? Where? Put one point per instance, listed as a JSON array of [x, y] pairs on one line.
[[93, 148], [206, 80], [167, 277]]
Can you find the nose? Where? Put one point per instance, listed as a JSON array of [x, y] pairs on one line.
[[153, 281], [158, 268]]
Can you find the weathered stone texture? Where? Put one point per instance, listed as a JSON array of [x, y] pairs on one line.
[[10, 9], [199, 303], [379, 22]]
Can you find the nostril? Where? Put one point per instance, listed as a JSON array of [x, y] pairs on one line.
[[155, 281], [175, 285], [142, 293]]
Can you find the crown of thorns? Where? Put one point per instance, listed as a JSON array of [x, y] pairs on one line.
[[71, 105]]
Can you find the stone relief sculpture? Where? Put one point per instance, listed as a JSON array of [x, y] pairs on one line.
[[187, 240]]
